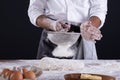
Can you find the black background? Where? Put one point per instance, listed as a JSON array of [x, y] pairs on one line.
[[19, 39]]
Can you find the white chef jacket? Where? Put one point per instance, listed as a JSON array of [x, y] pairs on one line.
[[77, 11]]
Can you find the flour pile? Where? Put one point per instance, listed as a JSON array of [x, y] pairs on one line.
[[47, 63]]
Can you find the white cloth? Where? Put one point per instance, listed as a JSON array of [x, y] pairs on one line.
[[71, 10], [89, 50]]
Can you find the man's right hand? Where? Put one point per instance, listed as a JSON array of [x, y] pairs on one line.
[[47, 23], [59, 26]]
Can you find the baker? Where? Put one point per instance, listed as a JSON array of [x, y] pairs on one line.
[[88, 16]]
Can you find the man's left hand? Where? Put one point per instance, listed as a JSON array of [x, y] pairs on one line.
[[89, 32]]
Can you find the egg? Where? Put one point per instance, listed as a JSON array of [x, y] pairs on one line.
[[4, 72], [25, 70], [16, 75], [29, 75], [9, 74]]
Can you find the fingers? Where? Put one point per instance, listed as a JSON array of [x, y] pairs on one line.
[[90, 32], [84, 31], [95, 33], [66, 26], [55, 25], [96, 37], [58, 27]]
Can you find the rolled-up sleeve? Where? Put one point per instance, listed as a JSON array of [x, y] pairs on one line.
[[35, 9], [99, 8]]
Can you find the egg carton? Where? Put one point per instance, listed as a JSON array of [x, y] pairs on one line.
[[35, 69]]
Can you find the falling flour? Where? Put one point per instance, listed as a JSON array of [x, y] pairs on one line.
[[63, 51]]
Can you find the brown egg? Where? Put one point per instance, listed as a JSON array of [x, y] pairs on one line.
[[29, 75], [4, 72], [16, 75], [25, 70], [9, 74]]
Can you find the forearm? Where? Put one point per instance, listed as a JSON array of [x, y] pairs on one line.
[[99, 8], [46, 23], [43, 22], [35, 9], [95, 21]]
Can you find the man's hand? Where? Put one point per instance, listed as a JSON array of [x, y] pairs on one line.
[[59, 26], [90, 32], [47, 23]]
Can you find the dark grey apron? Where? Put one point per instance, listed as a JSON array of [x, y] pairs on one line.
[[46, 46]]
